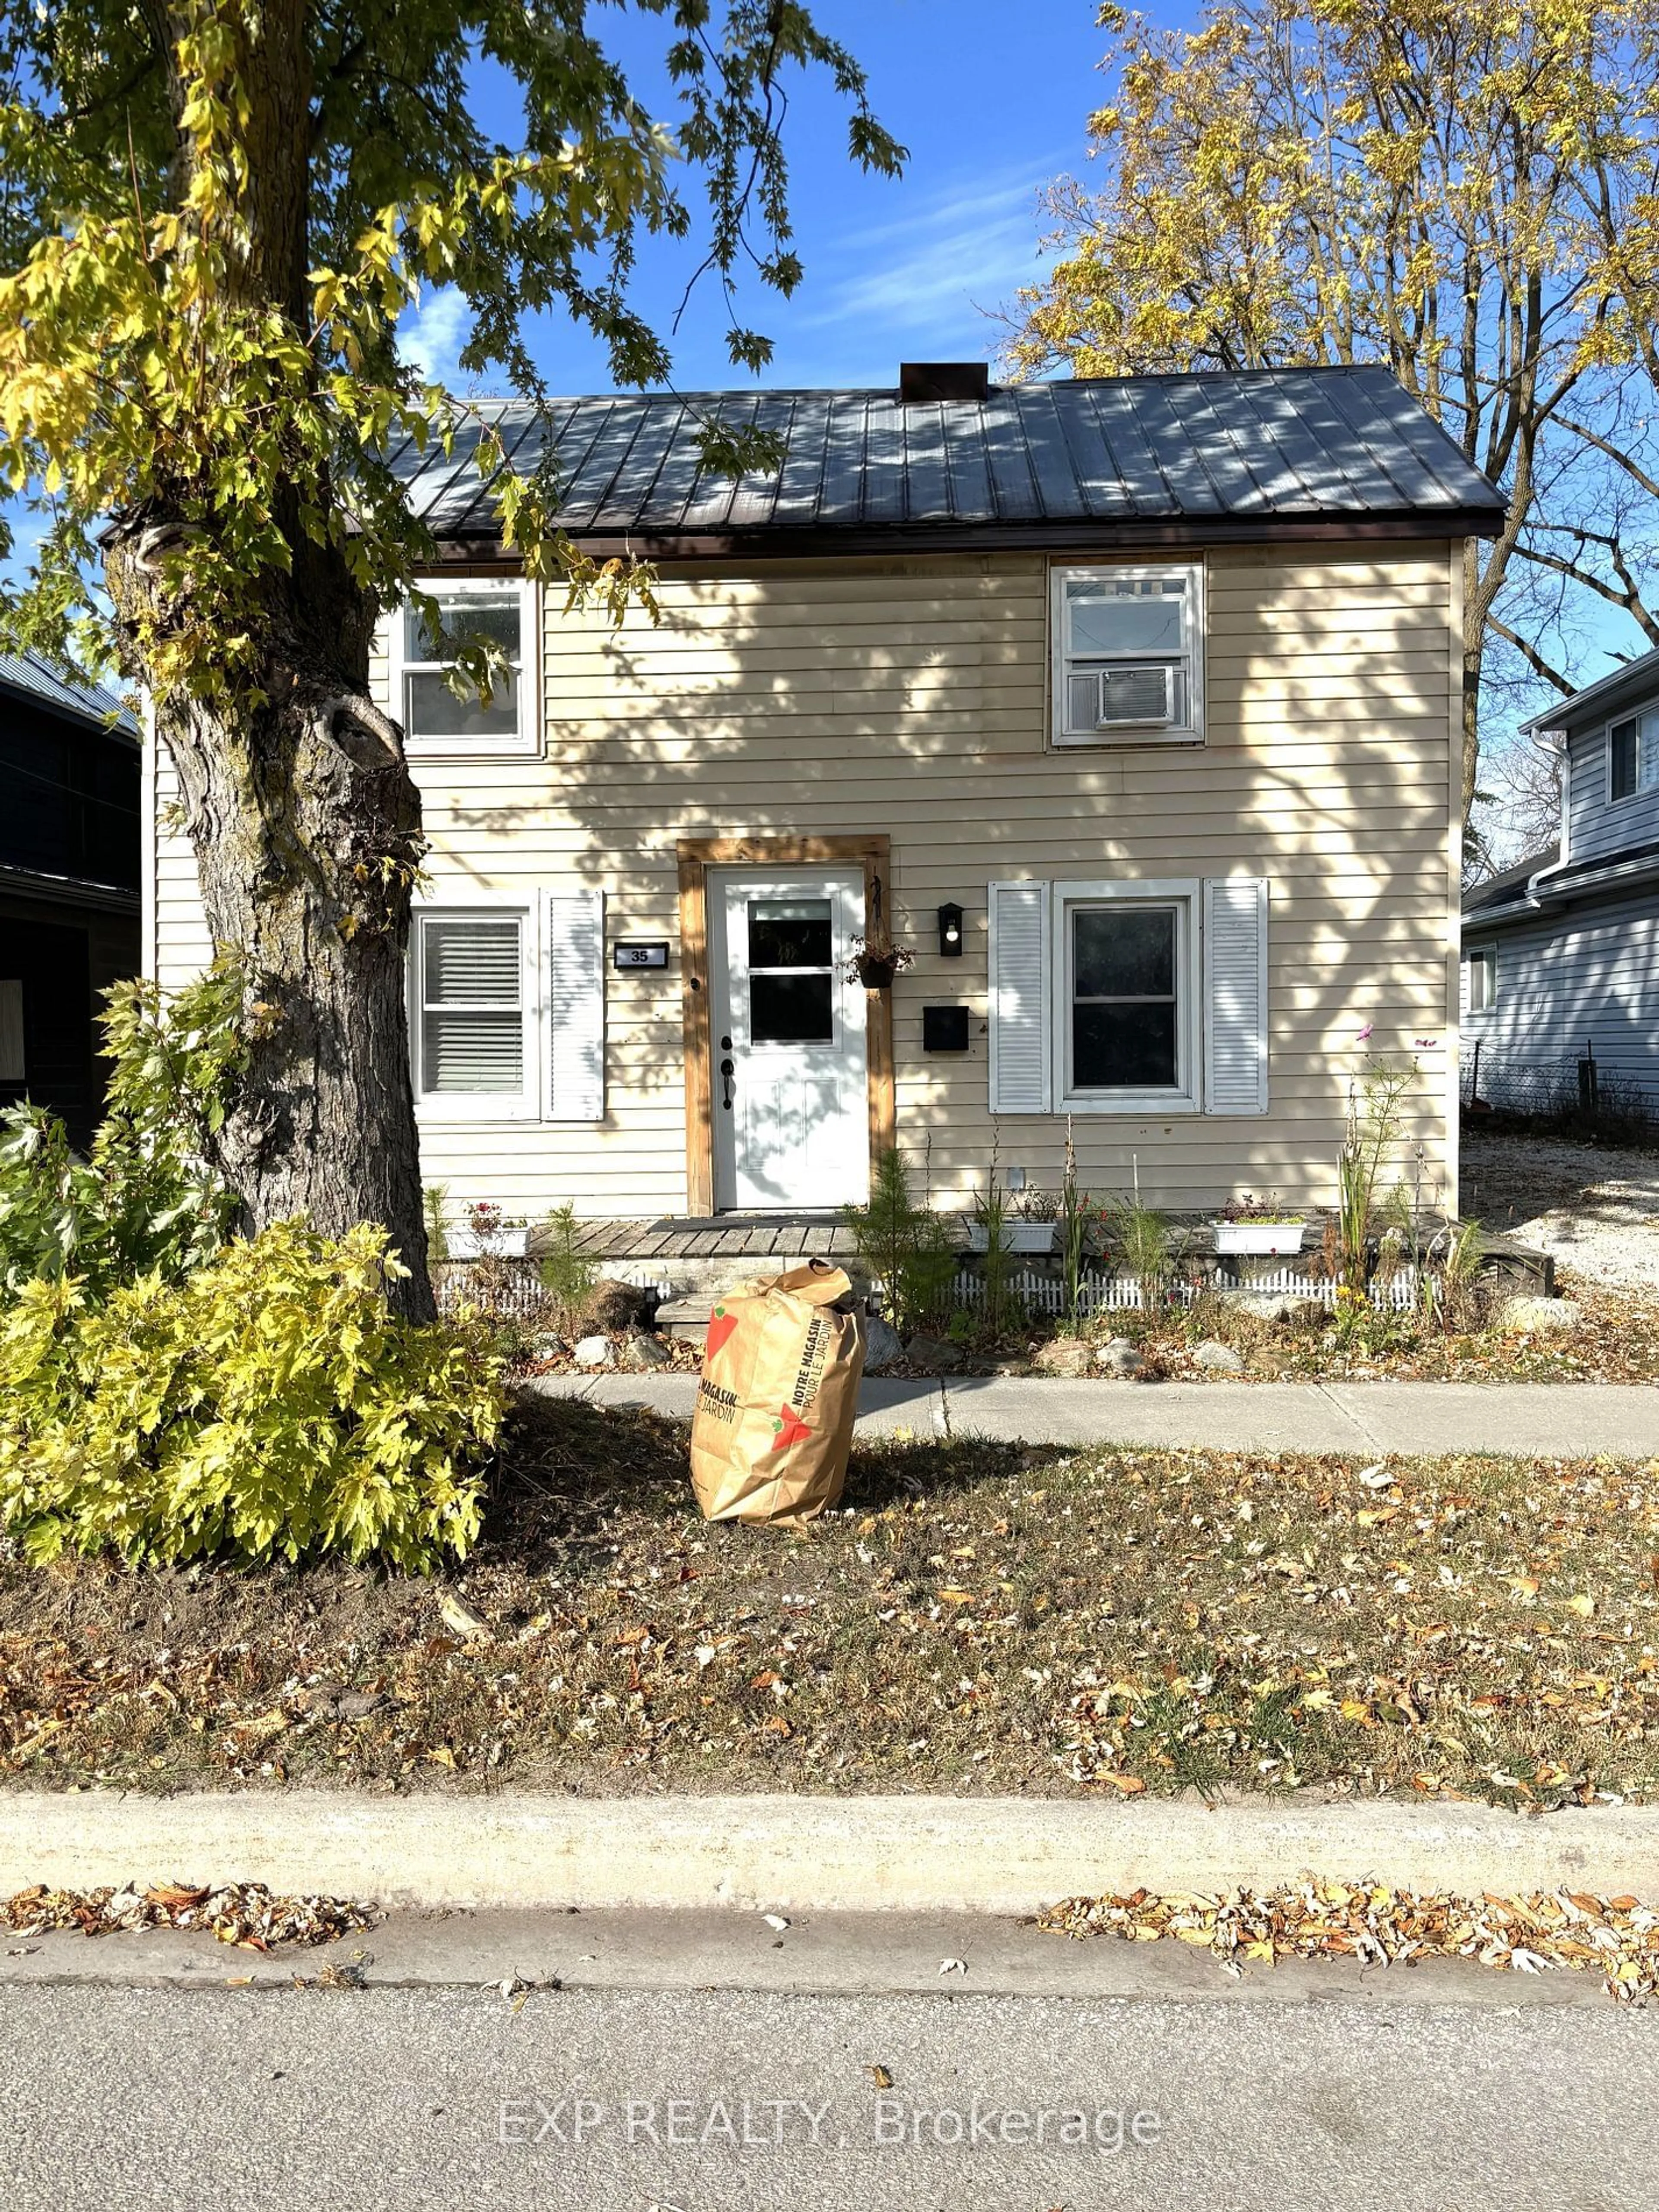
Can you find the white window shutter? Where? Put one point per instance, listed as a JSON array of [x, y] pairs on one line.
[[1235, 995], [575, 973], [1019, 999]]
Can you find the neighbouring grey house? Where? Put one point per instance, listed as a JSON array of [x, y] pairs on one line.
[[1560, 986], [70, 890]]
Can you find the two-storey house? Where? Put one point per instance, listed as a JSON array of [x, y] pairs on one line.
[[1129, 709], [1561, 953]]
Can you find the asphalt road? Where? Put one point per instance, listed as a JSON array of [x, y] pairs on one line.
[[226, 2099]]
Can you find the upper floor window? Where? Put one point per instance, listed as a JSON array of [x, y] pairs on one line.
[[1129, 654], [1633, 756], [496, 615]]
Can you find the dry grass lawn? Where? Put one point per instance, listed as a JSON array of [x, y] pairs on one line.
[[978, 1618]]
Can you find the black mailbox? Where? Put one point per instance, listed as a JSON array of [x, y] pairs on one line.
[[945, 1029]]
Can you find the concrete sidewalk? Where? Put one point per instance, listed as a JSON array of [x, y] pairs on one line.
[[1618, 1420]]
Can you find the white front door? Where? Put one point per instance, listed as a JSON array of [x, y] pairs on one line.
[[790, 1091]]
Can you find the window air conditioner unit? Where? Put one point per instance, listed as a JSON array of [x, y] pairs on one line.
[[1133, 696]]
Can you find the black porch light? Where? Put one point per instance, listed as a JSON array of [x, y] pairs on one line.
[[949, 932]]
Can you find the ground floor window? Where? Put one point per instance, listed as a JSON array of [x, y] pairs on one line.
[[1129, 996], [1124, 1004], [1127, 991], [1482, 967], [471, 1003]]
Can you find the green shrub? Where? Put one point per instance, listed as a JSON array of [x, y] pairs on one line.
[[141, 1201], [567, 1276], [269, 1403], [991, 1211], [434, 1203], [907, 1246]]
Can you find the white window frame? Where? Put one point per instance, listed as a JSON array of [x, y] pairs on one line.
[[1482, 959], [437, 1107], [1185, 894], [1646, 747], [526, 742], [1190, 575]]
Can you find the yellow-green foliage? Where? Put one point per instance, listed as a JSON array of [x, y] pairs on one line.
[[269, 1403]]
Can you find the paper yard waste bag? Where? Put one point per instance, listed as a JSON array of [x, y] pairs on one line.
[[775, 1406]]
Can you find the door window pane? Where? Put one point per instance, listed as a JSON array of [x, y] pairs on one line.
[[789, 933], [1124, 1031], [790, 1009]]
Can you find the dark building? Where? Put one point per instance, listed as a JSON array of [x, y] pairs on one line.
[[70, 884]]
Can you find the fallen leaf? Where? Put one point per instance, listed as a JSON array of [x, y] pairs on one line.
[[953, 1965], [456, 1615], [776, 1920]]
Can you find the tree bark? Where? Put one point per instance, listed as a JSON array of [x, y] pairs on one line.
[[305, 825], [296, 795]]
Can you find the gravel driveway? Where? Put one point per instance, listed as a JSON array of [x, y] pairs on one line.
[[1596, 1208]]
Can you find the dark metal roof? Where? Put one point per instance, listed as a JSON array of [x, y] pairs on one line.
[[1635, 684], [33, 677], [1110, 457]]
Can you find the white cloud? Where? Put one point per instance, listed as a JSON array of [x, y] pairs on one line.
[[29, 528], [433, 334], [963, 249]]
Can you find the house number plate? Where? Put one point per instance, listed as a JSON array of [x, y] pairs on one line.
[[634, 953]]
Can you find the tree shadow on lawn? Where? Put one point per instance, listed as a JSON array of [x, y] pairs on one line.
[[566, 1469], [569, 1482]]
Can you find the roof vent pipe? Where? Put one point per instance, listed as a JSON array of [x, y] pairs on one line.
[[922, 380]]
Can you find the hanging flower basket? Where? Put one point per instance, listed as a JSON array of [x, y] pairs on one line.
[[875, 966]]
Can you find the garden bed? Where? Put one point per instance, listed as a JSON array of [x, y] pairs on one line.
[[979, 1618], [1617, 1341]]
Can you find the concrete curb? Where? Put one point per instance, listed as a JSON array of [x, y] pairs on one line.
[[998, 1855]]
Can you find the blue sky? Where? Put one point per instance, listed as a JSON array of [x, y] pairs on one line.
[[992, 101]]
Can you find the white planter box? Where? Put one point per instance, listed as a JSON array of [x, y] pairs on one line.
[[1016, 1237], [505, 1245], [1260, 1237]]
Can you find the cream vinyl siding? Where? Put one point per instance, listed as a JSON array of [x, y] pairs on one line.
[[909, 696]]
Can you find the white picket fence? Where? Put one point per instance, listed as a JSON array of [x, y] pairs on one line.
[[1046, 1294]]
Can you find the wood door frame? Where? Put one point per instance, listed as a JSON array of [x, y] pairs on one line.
[[697, 855]]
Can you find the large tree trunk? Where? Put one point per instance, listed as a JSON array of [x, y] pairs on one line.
[[297, 798], [306, 829]]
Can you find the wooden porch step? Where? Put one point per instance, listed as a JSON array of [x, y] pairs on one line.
[[717, 1236]]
